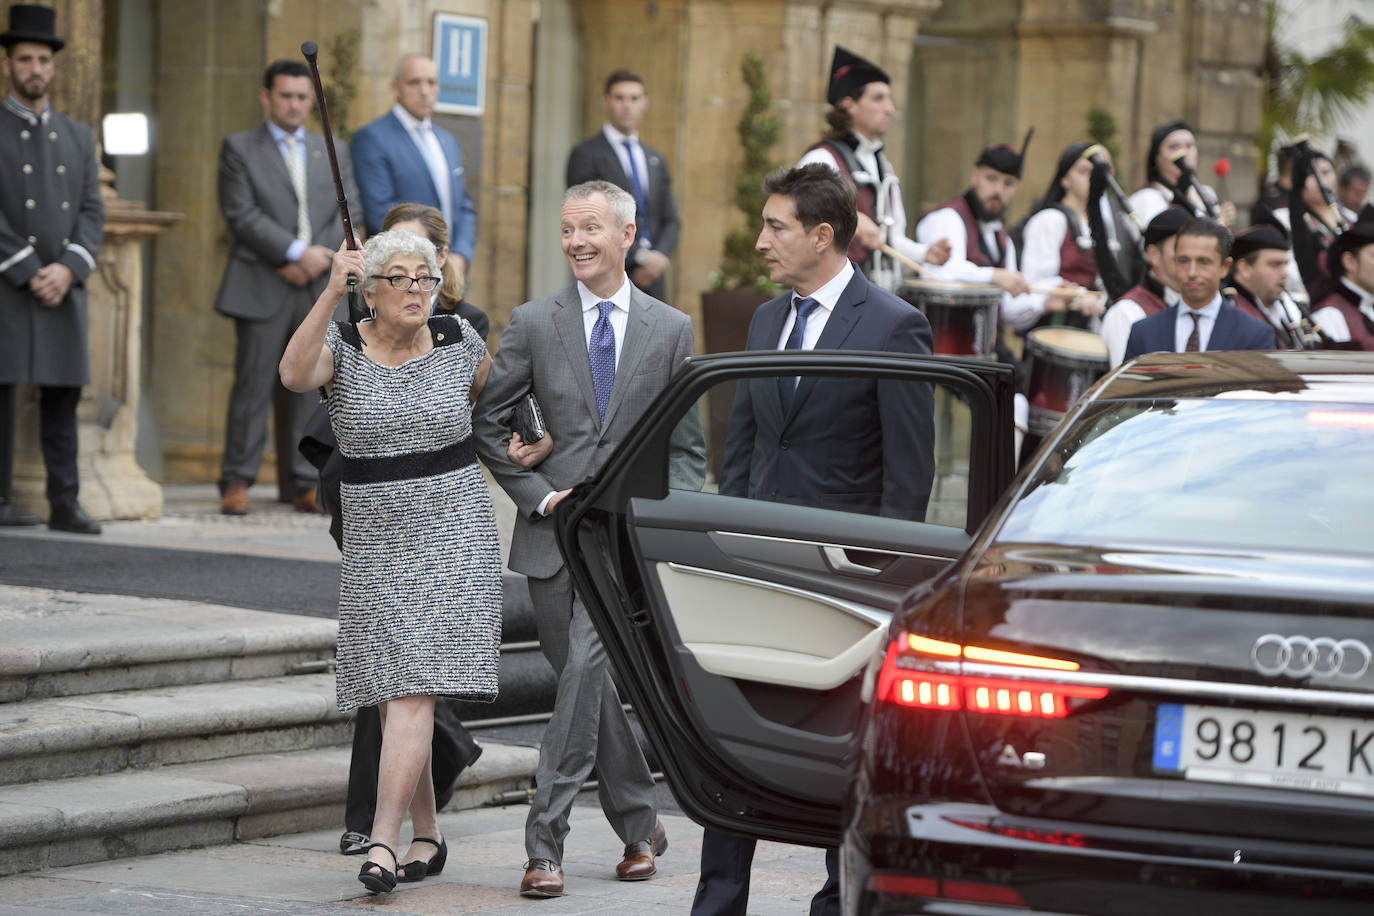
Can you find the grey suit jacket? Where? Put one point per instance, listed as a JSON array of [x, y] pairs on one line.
[[259, 204], [544, 350]]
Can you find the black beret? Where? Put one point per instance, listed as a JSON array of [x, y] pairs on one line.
[[1352, 239], [1166, 224], [1259, 238]]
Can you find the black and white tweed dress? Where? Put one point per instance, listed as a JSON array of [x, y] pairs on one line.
[[420, 585]]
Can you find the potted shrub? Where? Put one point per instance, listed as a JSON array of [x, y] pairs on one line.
[[741, 285]]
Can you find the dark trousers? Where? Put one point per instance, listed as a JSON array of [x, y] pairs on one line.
[[723, 889], [57, 436], [453, 748]]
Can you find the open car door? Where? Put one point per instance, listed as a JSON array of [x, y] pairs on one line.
[[740, 629]]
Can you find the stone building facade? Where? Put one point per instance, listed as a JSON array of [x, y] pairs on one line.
[[964, 74]]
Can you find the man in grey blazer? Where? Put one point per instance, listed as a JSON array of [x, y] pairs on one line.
[[277, 194], [594, 355]]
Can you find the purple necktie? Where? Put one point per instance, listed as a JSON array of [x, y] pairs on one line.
[[601, 355], [1192, 346]]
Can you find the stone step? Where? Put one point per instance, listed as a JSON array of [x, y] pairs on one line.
[[64, 644], [94, 818], [108, 732]]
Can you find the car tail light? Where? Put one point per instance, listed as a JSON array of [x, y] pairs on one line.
[[942, 888], [905, 681], [1351, 419]]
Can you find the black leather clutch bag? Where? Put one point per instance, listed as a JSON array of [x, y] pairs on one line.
[[528, 420]]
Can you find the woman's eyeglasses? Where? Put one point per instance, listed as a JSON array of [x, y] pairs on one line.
[[403, 283]]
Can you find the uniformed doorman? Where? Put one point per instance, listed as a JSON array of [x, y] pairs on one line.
[[51, 220]]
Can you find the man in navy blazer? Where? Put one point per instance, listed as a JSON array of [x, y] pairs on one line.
[[1204, 319], [853, 444], [403, 158]]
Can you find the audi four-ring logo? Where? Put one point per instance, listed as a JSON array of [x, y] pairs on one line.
[[1299, 656]]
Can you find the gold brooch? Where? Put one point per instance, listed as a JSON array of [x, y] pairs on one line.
[[438, 336]]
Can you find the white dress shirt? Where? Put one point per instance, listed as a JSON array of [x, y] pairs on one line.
[[422, 133], [297, 246], [1332, 319], [620, 320], [617, 141], [867, 153], [1207, 319], [826, 297]]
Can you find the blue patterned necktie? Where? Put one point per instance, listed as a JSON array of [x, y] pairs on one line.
[[637, 184], [788, 386], [601, 355]]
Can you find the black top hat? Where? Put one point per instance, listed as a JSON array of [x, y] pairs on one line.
[[849, 74], [29, 22]]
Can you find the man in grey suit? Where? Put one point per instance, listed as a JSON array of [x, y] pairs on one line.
[[276, 192], [594, 355], [617, 155]]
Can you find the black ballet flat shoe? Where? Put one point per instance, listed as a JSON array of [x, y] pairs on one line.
[[415, 871], [375, 878]]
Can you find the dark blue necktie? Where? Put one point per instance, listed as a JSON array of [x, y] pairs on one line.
[[787, 386], [637, 184], [601, 355]]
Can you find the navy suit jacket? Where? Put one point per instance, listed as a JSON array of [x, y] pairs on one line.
[[390, 170], [854, 444], [1233, 330]]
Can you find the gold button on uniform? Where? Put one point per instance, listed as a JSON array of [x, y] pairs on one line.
[[29, 204]]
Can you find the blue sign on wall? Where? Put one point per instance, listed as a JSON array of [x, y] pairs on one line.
[[460, 53]]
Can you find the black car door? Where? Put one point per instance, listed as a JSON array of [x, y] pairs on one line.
[[741, 629]]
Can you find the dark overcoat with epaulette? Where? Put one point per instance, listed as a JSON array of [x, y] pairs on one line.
[[50, 211]]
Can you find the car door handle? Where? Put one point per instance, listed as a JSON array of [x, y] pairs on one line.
[[840, 562]]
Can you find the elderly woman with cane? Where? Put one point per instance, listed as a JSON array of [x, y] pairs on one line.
[[420, 584]]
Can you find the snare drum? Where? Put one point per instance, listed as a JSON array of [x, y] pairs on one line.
[[963, 318], [1064, 362]]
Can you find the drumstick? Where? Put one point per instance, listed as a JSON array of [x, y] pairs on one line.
[[1046, 290]]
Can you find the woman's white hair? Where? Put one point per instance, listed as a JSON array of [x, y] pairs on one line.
[[382, 247]]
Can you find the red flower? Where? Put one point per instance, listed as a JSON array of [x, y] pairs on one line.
[[1223, 167]]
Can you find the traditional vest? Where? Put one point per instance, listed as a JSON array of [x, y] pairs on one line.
[[1076, 265], [866, 194], [977, 252], [1148, 294], [1344, 300]]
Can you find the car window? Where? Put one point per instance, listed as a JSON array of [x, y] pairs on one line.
[[1216, 472], [854, 444]]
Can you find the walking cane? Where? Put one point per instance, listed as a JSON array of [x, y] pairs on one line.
[[356, 311]]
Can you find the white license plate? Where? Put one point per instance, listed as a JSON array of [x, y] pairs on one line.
[[1265, 748]]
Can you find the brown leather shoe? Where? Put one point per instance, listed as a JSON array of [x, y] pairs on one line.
[[235, 499], [543, 878], [306, 502], [638, 863]]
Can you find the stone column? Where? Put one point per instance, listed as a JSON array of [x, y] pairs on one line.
[[112, 483]]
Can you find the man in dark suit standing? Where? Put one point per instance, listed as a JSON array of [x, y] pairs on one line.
[[403, 158], [617, 155], [51, 220], [1204, 319], [276, 192], [852, 444]]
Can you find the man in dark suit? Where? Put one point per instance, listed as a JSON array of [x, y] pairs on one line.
[[852, 444], [51, 220], [595, 355], [617, 155], [277, 194], [1203, 319], [403, 158]]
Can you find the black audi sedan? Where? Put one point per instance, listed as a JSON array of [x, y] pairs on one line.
[[1138, 678]]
